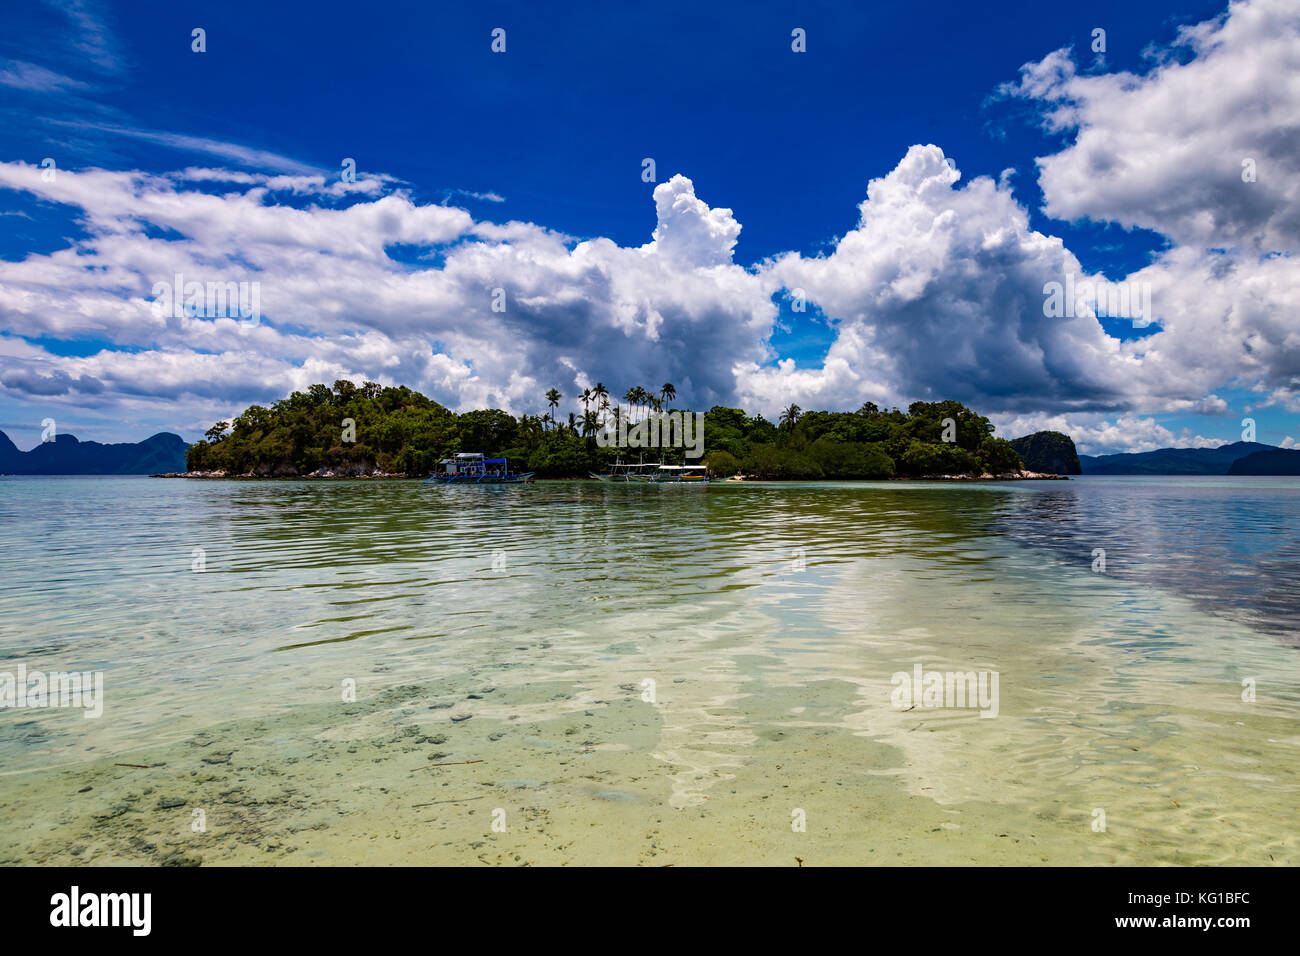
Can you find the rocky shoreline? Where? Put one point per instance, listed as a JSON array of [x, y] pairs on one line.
[[1007, 476]]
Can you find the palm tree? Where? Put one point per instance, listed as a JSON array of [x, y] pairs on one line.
[[589, 423], [668, 392], [573, 423], [553, 400], [531, 425], [631, 396], [790, 416], [585, 398]]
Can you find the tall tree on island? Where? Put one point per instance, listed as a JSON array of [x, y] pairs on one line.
[[553, 400], [585, 398]]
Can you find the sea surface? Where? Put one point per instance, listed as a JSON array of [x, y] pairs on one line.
[[362, 672]]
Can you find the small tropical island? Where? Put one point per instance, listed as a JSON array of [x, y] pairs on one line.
[[370, 430]]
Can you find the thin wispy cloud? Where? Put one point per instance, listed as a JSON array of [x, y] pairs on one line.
[[90, 36], [21, 75], [250, 157], [468, 194]]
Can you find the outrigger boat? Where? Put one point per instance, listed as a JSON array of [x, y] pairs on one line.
[[628, 471], [673, 474], [471, 468]]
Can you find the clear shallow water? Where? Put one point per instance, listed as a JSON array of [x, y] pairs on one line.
[[769, 617], [1231, 544]]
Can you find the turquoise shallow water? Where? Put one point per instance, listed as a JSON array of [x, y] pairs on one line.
[[769, 617]]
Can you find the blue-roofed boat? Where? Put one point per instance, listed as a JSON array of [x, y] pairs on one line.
[[471, 468]]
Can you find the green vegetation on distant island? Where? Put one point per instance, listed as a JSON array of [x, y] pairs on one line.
[[399, 431], [1050, 452]]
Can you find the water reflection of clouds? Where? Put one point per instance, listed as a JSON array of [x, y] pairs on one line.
[[1233, 548]]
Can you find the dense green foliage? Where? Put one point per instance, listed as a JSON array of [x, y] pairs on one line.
[[392, 430], [1051, 452], [396, 430], [868, 443]]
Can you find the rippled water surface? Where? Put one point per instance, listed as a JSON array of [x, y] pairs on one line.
[[652, 674]]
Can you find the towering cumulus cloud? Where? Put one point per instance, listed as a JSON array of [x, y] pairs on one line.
[[359, 281], [938, 292], [1203, 149], [939, 288], [1167, 151], [689, 231]]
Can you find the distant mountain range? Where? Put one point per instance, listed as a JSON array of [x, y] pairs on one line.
[[1272, 461], [65, 455], [1238, 458], [1054, 453]]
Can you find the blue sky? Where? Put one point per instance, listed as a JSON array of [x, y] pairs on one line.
[[550, 136]]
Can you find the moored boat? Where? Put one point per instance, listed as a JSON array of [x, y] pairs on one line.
[[472, 468], [628, 471], [680, 474]]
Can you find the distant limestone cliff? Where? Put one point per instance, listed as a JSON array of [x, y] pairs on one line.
[[65, 455], [1050, 452]]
